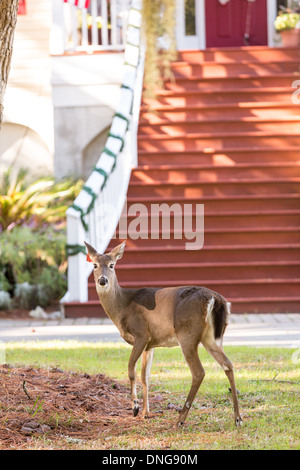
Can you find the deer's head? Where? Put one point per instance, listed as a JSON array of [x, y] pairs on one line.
[[104, 266]]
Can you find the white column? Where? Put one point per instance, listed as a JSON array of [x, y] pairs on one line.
[[57, 34], [271, 16], [77, 265]]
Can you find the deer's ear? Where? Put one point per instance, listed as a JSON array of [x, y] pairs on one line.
[[118, 251], [91, 251]]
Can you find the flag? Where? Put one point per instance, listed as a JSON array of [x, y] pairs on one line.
[[79, 3]]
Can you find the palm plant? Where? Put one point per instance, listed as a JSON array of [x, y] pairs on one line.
[[34, 203]]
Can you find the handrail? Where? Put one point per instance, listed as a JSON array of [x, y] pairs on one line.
[[88, 25], [96, 211]]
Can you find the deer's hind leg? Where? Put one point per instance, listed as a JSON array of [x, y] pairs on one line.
[[189, 348], [216, 350]]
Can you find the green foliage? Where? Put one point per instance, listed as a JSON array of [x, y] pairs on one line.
[[36, 261], [158, 27], [44, 201]]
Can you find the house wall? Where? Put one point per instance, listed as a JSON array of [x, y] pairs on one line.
[[85, 94], [26, 137]]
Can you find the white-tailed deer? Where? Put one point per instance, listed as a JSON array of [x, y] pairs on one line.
[[149, 318]]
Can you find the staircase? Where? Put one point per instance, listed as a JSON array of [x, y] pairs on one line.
[[225, 134]]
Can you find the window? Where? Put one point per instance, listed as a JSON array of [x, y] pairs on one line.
[[190, 17]]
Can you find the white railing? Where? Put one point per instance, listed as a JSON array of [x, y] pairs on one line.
[[95, 213], [100, 26]]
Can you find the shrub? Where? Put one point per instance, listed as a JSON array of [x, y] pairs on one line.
[[5, 300], [37, 263]]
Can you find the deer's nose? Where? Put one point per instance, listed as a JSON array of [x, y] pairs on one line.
[[102, 281]]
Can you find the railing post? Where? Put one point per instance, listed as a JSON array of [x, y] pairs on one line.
[[104, 29], [57, 35], [77, 265], [94, 11]]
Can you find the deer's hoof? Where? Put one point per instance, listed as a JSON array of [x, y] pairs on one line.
[[238, 422], [135, 409]]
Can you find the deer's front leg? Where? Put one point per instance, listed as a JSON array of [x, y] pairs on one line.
[[136, 352], [147, 358]]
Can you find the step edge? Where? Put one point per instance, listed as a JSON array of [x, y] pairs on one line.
[[166, 167], [206, 265]]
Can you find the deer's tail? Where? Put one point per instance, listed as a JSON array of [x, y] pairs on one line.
[[218, 312]]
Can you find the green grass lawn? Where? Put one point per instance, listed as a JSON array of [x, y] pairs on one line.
[[268, 380]]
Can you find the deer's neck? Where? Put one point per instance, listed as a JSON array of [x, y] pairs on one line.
[[113, 301]]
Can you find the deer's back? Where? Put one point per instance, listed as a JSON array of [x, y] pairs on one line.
[[157, 313]]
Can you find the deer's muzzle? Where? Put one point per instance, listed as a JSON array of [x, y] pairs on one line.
[[102, 281]]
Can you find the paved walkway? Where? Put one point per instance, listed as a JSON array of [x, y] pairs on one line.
[[252, 330]]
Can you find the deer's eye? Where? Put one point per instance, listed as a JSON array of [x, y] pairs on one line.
[[95, 265], [111, 266]]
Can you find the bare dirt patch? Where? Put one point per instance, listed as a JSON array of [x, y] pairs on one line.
[[41, 408]]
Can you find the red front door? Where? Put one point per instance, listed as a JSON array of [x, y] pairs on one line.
[[231, 24]]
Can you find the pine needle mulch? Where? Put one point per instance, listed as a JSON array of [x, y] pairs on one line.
[[39, 408]]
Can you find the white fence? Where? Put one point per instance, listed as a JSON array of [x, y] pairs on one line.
[[100, 26], [96, 211]]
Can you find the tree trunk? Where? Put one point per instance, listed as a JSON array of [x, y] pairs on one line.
[[8, 21]]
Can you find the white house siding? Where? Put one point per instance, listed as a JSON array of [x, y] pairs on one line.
[[26, 138], [85, 91]]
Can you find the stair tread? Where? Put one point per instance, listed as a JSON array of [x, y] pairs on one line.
[[251, 119], [217, 181], [226, 150], [206, 264], [238, 76], [211, 282], [254, 229], [215, 247], [283, 228], [198, 166], [209, 91], [216, 135], [214, 198], [203, 106], [181, 63], [244, 213]]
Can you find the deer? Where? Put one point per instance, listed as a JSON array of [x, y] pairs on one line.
[[148, 318]]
